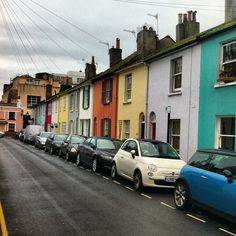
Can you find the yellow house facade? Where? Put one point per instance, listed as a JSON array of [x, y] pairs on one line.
[[63, 112], [132, 101]]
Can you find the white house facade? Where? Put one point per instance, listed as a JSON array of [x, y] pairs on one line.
[[173, 99]]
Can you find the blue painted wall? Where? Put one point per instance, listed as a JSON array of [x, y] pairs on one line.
[[213, 101]]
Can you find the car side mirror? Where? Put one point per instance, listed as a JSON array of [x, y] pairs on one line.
[[228, 174], [93, 146], [133, 153]]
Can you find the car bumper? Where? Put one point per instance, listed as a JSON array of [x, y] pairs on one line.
[[160, 180]]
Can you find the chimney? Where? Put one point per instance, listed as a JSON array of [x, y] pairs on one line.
[[230, 10], [115, 53], [187, 25], [48, 91], [146, 40], [90, 70]]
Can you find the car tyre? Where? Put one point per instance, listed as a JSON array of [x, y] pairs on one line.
[[60, 153], [78, 160], [114, 174], [95, 167], [138, 182], [182, 196], [67, 157], [51, 151]]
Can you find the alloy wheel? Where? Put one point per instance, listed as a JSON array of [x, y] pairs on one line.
[[94, 165]]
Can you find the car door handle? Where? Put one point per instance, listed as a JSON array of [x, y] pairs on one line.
[[204, 177]]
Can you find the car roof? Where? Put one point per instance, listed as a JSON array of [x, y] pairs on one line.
[[146, 140], [218, 151]]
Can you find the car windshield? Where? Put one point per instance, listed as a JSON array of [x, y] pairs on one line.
[[60, 137], [45, 135], [117, 144], [77, 139], [105, 144], [158, 150]]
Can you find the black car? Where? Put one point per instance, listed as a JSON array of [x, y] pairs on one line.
[[69, 147], [97, 152], [53, 143]]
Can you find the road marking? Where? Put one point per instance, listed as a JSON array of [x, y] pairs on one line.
[[104, 177], [81, 167], [129, 188], [226, 231], [164, 204], [116, 182], [97, 174], [88, 170], [3, 222], [196, 218], [144, 195]]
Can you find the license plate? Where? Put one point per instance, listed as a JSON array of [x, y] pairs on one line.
[[170, 179]]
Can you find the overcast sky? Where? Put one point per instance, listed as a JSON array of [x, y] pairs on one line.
[[55, 46]]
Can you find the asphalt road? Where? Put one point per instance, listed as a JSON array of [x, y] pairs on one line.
[[45, 195]]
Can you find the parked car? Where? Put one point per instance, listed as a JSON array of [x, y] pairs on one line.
[[40, 139], [2, 134], [97, 152], [147, 163], [69, 147], [209, 181], [53, 143], [31, 131]]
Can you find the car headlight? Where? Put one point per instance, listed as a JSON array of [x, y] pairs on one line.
[[107, 157], [152, 167], [73, 150]]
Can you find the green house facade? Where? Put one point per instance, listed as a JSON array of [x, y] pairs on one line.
[[217, 109]]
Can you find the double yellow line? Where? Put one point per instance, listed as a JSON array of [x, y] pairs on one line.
[[3, 222]]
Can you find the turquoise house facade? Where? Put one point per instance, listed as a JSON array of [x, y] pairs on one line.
[[40, 114], [217, 109]]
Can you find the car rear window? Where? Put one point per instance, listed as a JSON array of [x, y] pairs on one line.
[[105, 144], [60, 137], [77, 139]]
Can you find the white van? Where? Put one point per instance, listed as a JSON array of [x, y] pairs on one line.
[[31, 131]]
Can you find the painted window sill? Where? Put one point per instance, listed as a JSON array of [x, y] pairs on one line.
[[127, 102], [218, 85], [174, 94]]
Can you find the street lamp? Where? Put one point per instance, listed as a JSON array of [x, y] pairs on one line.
[[168, 110], [156, 17]]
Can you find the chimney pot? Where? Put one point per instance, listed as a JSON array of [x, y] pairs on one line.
[[189, 15], [117, 43], [180, 21], [185, 17]]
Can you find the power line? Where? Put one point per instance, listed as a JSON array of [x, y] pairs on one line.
[[67, 21], [12, 41], [23, 27], [45, 33], [19, 36], [183, 6], [56, 29]]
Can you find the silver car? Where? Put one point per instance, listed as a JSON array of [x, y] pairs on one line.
[[40, 139]]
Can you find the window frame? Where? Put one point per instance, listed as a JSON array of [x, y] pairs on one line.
[[9, 115], [86, 92], [174, 75], [218, 139], [125, 122], [172, 135], [107, 91], [32, 98], [128, 91]]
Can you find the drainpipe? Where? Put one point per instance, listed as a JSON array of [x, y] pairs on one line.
[[147, 91]]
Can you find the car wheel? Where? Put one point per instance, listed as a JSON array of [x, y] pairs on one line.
[[138, 183], [67, 156], [60, 153], [95, 167], [182, 195], [114, 174], [78, 160], [51, 151], [45, 149]]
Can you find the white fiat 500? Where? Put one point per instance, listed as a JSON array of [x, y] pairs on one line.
[[147, 163]]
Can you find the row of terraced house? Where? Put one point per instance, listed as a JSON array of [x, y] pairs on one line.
[[182, 91]]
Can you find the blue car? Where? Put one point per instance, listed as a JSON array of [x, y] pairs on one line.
[[209, 181]]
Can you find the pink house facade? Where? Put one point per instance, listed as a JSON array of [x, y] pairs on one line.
[[11, 118]]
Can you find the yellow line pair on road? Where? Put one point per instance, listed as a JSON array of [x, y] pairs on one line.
[[3, 222]]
